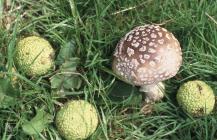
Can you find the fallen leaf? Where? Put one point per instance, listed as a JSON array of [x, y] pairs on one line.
[[38, 123]]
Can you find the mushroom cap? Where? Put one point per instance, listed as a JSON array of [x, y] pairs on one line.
[[146, 55]]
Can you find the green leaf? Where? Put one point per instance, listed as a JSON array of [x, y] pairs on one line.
[[122, 89], [72, 82], [6, 88], [67, 78], [123, 92], [67, 51], [56, 81], [38, 123], [7, 101], [70, 65], [1, 10], [66, 81], [8, 95]]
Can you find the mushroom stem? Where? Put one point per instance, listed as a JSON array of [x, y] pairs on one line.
[[153, 92]]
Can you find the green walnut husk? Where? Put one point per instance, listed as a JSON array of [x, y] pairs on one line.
[[34, 56], [196, 98], [77, 120]]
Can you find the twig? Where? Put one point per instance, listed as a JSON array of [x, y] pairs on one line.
[[211, 18], [164, 22], [129, 8], [1, 8], [7, 5], [124, 10]]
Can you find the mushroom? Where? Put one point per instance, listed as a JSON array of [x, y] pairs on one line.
[[145, 57]]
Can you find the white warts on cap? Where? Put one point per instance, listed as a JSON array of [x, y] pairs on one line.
[[161, 41], [130, 38], [130, 51], [146, 55], [144, 42], [151, 44], [168, 36], [142, 61], [137, 33], [152, 63], [135, 44], [151, 50], [135, 63], [160, 34], [153, 35], [142, 49]]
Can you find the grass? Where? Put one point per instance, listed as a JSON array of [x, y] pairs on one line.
[[95, 26]]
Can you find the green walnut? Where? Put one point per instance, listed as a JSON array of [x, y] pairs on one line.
[[76, 120], [196, 98], [34, 56]]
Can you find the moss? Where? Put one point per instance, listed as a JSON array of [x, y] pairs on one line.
[[196, 98], [34, 56], [76, 120]]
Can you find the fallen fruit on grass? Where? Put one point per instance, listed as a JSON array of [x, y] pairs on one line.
[[34, 56], [196, 98], [77, 120], [145, 57]]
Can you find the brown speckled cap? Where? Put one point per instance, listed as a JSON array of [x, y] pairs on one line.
[[147, 55]]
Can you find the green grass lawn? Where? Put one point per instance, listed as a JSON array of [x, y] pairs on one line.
[[91, 29]]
